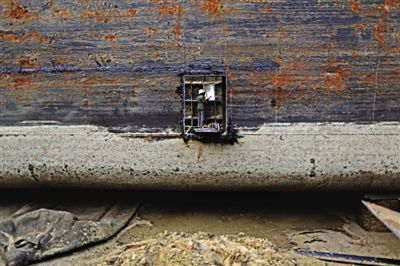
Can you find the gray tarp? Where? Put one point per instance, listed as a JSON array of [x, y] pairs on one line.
[[38, 230]]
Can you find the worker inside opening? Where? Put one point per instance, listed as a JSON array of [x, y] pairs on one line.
[[201, 110]]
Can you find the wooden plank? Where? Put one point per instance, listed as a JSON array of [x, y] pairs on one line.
[[388, 217]]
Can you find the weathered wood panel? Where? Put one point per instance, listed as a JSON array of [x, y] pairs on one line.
[[117, 64]]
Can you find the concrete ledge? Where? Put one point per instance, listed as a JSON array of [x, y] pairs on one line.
[[338, 156]]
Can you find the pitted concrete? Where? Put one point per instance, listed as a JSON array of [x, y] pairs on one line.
[[276, 157]]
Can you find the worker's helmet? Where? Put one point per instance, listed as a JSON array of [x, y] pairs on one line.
[[201, 91]]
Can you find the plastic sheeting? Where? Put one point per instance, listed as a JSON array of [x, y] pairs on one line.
[[32, 232]]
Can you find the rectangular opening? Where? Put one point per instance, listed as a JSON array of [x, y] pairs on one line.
[[205, 93]]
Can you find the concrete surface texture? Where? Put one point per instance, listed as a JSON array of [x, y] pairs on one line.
[[276, 157]]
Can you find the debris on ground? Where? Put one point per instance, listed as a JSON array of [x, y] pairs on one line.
[[30, 234], [203, 249]]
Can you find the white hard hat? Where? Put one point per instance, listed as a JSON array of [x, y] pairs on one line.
[[201, 91]]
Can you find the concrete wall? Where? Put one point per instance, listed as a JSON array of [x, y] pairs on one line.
[[339, 156]]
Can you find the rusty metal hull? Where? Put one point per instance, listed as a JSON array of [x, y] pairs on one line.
[[289, 157], [118, 64]]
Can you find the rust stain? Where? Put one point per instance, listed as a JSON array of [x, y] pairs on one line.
[[61, 13], [394, 51], [280, 33], [379, 31], [132, 12], [315, 86], [336, 75], [224, 26], [28, 62], [19, 12], [172, 45], [381, 28], [388, 4], [10, 37], [281, 80], [107, 12], [36, 37], [176, 32], [93, 82], [336, 79], [22, 82], [61, 60], [167, 9], [266, 9], [212, 7], [294, 66], [99, 16], [282, 96], [18, 83], [355, 6], [151, 31], [366, 80], [230, 10], [360, 27], [111, 38]]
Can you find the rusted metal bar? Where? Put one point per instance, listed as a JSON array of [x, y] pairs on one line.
[[348, 258]]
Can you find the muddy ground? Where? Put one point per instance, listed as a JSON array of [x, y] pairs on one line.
[[221, 228]]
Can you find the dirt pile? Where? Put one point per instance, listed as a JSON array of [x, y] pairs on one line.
[[203, 249]]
